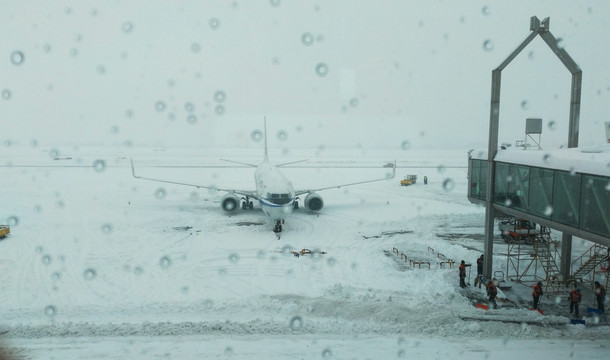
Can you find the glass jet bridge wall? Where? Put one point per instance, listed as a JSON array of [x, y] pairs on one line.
[[581, 201]]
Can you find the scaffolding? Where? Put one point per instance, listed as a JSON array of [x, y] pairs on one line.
[[591, 266]]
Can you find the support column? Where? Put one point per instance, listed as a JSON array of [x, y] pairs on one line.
[[566, 255]]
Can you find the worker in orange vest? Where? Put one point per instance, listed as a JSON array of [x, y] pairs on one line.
[[462, 270], [536, 294], [575, 297], [492, 291]]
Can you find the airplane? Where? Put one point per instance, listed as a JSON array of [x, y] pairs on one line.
[[274, 191]]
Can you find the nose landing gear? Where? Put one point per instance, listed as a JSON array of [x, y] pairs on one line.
[[277, 229]]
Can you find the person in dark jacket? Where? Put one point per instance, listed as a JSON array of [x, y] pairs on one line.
[[492, 291], [479, 278], [462, 270], [536, 294], [600, 294], [575, 297]]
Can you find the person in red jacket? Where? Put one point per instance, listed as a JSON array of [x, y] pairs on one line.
[[575, 297], [492, 291], [536, 294], [462, 270]]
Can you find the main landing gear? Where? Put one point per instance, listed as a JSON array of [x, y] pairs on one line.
[[247, 204]]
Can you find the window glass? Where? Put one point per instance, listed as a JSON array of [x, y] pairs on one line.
[[541, 192], [566, 198], [595, 208]]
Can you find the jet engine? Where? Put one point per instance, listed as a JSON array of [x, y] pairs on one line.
[[230, 202], [314, 202]]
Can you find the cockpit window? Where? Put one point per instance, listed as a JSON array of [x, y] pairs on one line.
[[279, 199]]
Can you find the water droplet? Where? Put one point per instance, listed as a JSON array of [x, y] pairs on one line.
[[46, 48], [220, 96], [89, 274], [525, 105], [287, 249], [160, 106], [138, 270], [448, 184], [282, 135], [261, 254], [192, 119], [441, 169], [214, 23], [354, 102], [320, 38], [101, 69], [331, 261], [55, 276], [552, 125], [37, 209], [195, 47], [327, 353], [165, 262], [17, 57], [405, 145], [547, 158], [46, 260], [6, 94], [307, 39], [160, 194], [531, 55], [127, 27], [208, 303], [560, 43], [171, 116], [508, 202], [608, 186], [12, 221], [229, 351], [256, 135], [275, 3], [485, 11], [99, 165], [296, 323], [219, 109], [189, 106], [548, 210], [234, 258], [322, 69], [50, 311], [106, 229], [73, 52], [488, 45]]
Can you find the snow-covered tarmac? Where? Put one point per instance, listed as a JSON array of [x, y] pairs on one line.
[[101, 265]]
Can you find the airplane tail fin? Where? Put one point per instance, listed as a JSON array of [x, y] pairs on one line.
[[265, 130]]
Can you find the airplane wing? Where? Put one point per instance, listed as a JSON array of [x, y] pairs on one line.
[[301, 192], [249, 193]]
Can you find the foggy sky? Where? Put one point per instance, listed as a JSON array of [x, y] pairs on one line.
[[371, 74]]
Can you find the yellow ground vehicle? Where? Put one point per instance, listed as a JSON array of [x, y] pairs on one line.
[[408, 180], [4, 230]]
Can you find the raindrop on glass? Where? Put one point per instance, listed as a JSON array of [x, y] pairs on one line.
[[138, 270], [101, 69], [99, 165], [46, 48], [165, 262], [488, 45], [354, 102], [160, 194], [220, 96], [282, 135], [261, 254], [320, 38], [531, 55], [37, 209], [214, 23], [46, 260], [307, 39], [296, 323], [192, 119], [234, 258], [485, 11], [106, 228], [127, 27], [195, 47], [50, 311], [448, 184], [189, 107], [547, 158], [256, 135], [160, 106], [73, 52], [322, 69], [405, 145], [219, 109], [331, 261], [560, 43], [525, 105], [548, 210], [552, 125], [17, 57], [6, 94], [275, 3], [55, 276], [208, 303], [12, 221], [229, 351], [89, 274], [327, 354], [441, 169]]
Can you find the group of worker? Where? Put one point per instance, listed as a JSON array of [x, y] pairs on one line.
[[492, 291]]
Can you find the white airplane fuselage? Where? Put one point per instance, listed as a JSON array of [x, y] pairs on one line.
[[275, 192]]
